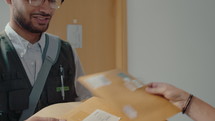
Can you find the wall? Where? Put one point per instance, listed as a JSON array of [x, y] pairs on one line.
[[4, 14], [97, 18], [173, 41]]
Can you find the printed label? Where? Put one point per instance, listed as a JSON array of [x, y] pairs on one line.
[[98, 81], [100, 115]]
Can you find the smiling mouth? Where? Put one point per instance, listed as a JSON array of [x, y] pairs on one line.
[[42, 20]]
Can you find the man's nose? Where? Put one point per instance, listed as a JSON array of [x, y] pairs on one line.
[[46, 7]]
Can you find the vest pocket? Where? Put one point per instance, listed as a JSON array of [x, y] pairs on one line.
[[55, 94], [18, 99]]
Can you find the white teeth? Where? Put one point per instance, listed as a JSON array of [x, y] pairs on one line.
[[42, 18]]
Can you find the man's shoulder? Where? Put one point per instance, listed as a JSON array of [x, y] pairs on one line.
[[63, 42], [52, 35], [55, 37]]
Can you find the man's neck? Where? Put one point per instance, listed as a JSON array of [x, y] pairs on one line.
[[29, 36]]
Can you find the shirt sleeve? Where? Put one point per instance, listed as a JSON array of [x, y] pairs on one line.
[[81, 91]]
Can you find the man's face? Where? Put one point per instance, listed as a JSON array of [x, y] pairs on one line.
[[30, 18]]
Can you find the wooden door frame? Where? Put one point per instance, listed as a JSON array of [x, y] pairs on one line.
[[121, 35]]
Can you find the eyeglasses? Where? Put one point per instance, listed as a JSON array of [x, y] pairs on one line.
[[55, 4]]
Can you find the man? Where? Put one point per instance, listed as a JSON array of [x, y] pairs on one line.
[[23, 48]]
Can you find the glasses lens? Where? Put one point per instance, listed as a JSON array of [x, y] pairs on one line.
[[35, 2], [53, 3]]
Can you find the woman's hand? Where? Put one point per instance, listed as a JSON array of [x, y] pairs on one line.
[[175, 95]]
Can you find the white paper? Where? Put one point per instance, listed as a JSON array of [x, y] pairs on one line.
[[74, 35], [100, 115]]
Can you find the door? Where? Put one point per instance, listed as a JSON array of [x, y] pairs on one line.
[[104, 41]]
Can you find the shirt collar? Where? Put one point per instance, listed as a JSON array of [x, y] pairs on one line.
[[20, 43]]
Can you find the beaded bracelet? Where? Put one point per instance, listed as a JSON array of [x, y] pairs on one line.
[[187, 104]]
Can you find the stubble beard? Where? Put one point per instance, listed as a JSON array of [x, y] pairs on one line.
[[28, 25]]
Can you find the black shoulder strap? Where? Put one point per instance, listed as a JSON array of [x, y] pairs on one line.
[[51, 57]]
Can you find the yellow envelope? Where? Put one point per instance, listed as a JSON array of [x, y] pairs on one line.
[[83, 110], [126, 97]]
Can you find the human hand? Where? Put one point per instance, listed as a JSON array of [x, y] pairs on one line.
[[36, 118], [176, 96]]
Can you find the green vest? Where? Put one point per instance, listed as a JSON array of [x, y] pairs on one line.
[[15, 86]]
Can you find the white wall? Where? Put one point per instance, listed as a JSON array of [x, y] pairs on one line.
[[174, 41], [4, 14]]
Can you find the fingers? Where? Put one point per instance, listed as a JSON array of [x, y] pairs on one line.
[[36, 118], [155, 88], [175, 95], [52, 119]]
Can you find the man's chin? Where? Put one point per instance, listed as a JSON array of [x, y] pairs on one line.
[[39, 29]]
